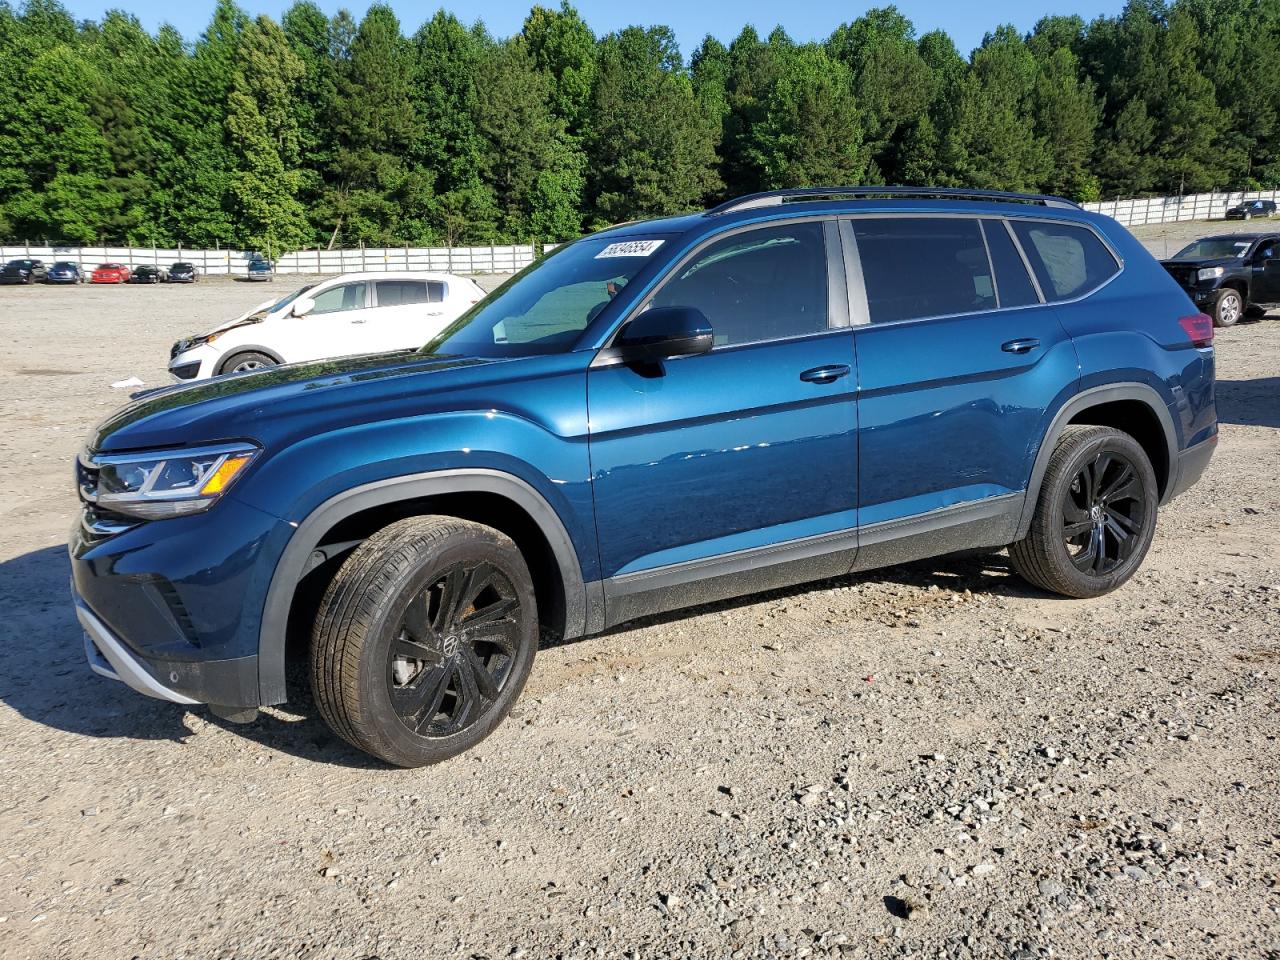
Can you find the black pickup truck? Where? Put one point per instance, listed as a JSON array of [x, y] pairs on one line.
[[1230, 275]]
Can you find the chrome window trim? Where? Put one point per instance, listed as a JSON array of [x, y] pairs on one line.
[[1026, 262]]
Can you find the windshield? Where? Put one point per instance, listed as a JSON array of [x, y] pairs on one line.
[[285, 301], [544, 308], [19, 263], [1214, 248]]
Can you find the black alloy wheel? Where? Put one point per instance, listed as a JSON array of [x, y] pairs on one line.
[[454, 648], [1103, 513]]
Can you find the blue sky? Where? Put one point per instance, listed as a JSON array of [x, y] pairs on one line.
[[691, 19]]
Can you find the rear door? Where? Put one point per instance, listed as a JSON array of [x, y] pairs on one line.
[[704, 462], [958, 363], [403, 316]]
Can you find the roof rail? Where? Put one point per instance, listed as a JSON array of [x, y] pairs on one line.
[[773, 198]]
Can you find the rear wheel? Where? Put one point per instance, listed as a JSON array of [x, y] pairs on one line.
[[1228, 307], [1095, 517], [424, 639], [246, 362]]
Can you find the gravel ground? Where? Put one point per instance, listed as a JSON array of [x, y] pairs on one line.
[[932, 760]]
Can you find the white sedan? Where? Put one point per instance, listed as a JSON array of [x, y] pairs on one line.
[[355, 313]]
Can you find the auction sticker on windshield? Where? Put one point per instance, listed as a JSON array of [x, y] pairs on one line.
[[629, 248]]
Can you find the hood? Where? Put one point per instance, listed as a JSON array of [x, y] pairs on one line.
[[1203, 262], [281, 402]]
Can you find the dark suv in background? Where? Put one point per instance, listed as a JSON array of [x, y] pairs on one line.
[[1230, 275], [793, 386], [23, 271], [1249, 209]]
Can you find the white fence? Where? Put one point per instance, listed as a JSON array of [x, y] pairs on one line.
[[1193, 206], [505, 259]]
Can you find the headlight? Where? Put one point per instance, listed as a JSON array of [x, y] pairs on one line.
[[164, 484], [1210, 273]]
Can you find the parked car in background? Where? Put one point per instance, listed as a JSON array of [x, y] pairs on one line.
[[1230, 275], [148, 273], [182, 272], [351, 314], [110, 273], [261, 269], [792, 386], [23, 271], [1252, 208], [64, 271]]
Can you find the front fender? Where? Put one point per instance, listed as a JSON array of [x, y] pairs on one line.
[[582, 611]]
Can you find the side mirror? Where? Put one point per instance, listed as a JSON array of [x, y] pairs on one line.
[[665, 332], [302, 306]]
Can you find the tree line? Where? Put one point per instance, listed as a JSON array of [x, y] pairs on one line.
[[321, 130]]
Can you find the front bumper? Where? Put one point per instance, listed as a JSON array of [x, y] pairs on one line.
[[196, 363], [173, 608]]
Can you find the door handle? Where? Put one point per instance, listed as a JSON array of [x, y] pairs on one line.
[[826, 374], [1020, 346]]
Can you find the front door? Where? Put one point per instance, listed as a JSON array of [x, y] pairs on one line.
[[1266, 272], [741, 459], [339, 325]]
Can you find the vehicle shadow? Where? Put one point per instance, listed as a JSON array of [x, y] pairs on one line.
[[980, 571], [1254, 403], [46, 678]]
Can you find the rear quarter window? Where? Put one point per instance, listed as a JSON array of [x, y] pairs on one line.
[[1069, 260]]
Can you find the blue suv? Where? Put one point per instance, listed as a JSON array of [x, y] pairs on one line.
[[792, 386]]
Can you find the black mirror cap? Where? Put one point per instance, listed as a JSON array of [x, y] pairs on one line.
[[662, 333]]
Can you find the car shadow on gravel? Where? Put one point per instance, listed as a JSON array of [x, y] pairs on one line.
[[979, 571], [1252, 403], [46, 679]]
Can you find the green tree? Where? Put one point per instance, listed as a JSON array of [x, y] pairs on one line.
[[1066, 118], [652, 149], [263, 131], [533, 166], [562, 45]]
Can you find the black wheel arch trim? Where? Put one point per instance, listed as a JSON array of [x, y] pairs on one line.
[[1092, 397], [293, 562]]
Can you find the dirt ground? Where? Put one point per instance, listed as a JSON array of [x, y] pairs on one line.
[[928, 761]]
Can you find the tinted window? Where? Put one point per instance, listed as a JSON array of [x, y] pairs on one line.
[[1013, 285], [762, 285], [349, 296], [1069, 261], [435, 290], [1267, 250], [395, 293], [923, 267]]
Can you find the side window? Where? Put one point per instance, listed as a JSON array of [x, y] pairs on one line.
[[1267, 250], [397, 293], [766, 284], [435, 291], [349, 296], [1013, 285], [917, 267], [1069, 260]]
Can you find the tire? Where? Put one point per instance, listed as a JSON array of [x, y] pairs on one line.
[[1112, 463], [1228, 307], [369, 686], [1248, 215], [246, 362]]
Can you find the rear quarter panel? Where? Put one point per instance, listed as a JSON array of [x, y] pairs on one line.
[[1128, 331]]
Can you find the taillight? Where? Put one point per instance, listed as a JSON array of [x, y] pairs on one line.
[[1199, 327]]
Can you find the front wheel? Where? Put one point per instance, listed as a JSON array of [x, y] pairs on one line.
[[246, 362], [424, 639], [1095, 516], [1228, 307]]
